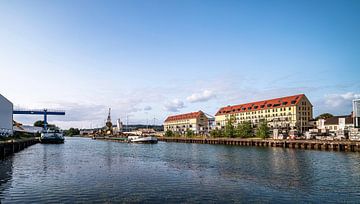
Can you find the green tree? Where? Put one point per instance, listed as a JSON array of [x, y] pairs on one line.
[[169, 133], [72, 131], [217, 133], [189, 133], [40, 123], [324, 116], [244, 129], [229, 127], [262, 130]]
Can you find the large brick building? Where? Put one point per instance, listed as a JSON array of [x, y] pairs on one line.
[[291, 112]]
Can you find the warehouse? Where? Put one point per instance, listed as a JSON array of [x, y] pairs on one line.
[[6, 117], [198, 122], [293, 112]]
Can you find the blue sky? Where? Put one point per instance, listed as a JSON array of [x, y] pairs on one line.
[[149, 59]]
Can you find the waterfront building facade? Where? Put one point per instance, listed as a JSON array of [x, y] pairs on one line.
[[290, 113], [6, 117], [336, 123], [199, 122]]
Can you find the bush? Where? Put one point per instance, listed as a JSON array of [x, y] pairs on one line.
[[72, 132], [244, 130], [169, 133], [262, 130], [217, 133], [189, 133], [229, 127]]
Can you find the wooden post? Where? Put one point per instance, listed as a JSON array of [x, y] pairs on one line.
[[2, 151]]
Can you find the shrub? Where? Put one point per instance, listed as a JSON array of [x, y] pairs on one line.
[[229, 127], [262, 130], [189, 133], [169, 133], [244, 130]]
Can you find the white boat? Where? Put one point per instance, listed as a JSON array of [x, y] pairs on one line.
[[52, 137], [143, 139]]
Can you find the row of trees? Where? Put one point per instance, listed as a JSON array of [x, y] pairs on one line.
[[40, 123], [188, 133], [72, 132], [243, 130], [69, 132]]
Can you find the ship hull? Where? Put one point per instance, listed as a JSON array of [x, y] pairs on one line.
[[52, 140]]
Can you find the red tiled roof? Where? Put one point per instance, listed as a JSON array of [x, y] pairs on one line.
[[183, 116], [261, 105]]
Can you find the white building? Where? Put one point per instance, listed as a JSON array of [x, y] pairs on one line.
[[336, 123], [198, 122], [356, 112], [6, 117], [119, 126]]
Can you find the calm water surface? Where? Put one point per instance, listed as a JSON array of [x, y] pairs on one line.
[[84, 170]]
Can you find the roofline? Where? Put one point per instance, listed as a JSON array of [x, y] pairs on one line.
[[302, 95], [200, 111], [7, 99]]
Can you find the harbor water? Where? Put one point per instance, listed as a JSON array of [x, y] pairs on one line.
[[83, 170]]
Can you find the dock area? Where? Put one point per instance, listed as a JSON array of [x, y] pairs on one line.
[[349, 146], [113, 139], [12, 146]]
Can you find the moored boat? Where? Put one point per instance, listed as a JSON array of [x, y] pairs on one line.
[[143, 139], [52, 137]]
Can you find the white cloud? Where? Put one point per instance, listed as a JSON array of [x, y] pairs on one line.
[[338, 100], [76, 115], [174, 105], [201, 97]]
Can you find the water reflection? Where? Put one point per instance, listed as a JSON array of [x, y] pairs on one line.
[[108, 154], [53, 157], [85, 170], [5, 174]]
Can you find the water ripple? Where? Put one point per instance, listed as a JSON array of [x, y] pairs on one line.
[[84, 170]]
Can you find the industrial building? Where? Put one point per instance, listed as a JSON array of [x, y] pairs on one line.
[[6, 117], [286, 113], [199, 122]]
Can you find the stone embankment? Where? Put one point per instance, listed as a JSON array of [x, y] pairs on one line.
[[350, 146], [12, 146]]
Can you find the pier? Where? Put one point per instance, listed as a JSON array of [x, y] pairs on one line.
[[349, 146], [12, 146]]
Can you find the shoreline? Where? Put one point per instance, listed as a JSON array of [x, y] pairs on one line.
[[343, 146], [12, 146]]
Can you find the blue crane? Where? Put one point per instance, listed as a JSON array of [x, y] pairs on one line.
[[44, 112]]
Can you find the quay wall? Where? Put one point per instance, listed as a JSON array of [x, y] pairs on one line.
[[12, 146], [349, 146]]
